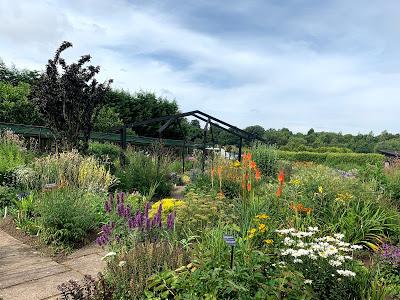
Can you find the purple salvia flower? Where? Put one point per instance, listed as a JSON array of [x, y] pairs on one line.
[[148, 223], [128, 211], [146, 210], [122, 197], [138, 219], [111, 199], [121, 209], [107, 206], [170, 221], [131, 223]]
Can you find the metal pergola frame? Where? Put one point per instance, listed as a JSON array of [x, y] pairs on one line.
[[208, 119]]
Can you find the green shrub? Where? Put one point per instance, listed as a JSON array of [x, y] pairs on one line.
[[12, 155], [336, 160], [67, 215], [392, 184], [66, 168], [266, 158], [7, 196], [140, 174], [129, 271], [105, 152]]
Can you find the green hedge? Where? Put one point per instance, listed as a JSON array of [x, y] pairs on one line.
[[339, 160]]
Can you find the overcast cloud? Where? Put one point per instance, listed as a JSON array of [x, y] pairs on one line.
[[330, 65]]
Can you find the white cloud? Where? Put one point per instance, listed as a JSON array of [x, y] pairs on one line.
[[322, 66]]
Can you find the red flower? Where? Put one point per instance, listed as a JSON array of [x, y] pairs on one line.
[[248, 186], [281, 177], [253, 165]]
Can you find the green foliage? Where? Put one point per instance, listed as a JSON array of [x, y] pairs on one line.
[[26, 214], [12, 155], [107, 119], [66, 168], [15, 106], [341, 204], [392, 183], [105, 152], [391, 144], [266, 158], [15, 76], [69, 100], [129, 271], [67, 215], [140, 173], [338, 160], [7, 196], [141, 106]]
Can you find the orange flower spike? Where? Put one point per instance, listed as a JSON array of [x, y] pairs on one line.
[[249, 156], [219, 171], [249, 186], [258, 175], [281, 177], [253, 165], [279, 192], [212, 172]]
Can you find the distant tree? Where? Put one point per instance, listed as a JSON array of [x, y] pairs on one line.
[[14, 76], [141, 106], [256, 129], [15, 106], [107, 119], [69, 100], [392, 144]]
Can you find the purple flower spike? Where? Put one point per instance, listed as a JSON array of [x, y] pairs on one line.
[[127, 211], [146, 210], [131, 223], [122, 197], [107, 206], [170, 221], [121, 209], [138, 219]]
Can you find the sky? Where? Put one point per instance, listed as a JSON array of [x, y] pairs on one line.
[[299, 64]]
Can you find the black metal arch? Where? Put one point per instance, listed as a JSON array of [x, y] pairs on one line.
[[210, 121]]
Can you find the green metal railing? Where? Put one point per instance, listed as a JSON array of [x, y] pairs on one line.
[[42, 132]]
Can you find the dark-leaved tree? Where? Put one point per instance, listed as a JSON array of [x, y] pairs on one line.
[[69, 97]]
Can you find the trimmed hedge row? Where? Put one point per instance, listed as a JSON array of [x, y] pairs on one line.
[[350, 160]]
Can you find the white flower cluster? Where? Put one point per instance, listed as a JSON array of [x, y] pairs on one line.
[[330, 248]]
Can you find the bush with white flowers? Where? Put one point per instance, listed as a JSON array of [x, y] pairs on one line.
[[324, 261]]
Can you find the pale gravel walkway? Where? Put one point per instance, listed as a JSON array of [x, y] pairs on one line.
[[26, 274]]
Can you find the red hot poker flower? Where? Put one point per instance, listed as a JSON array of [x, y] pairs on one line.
[[258, 174], [281, 177], [248, 186], [279, 192], [253, 165]]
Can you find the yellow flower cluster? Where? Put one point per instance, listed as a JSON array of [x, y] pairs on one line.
[[237, 164], [262, 216], [168, 205], [344, 197], [185, 179], [295, 181]]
